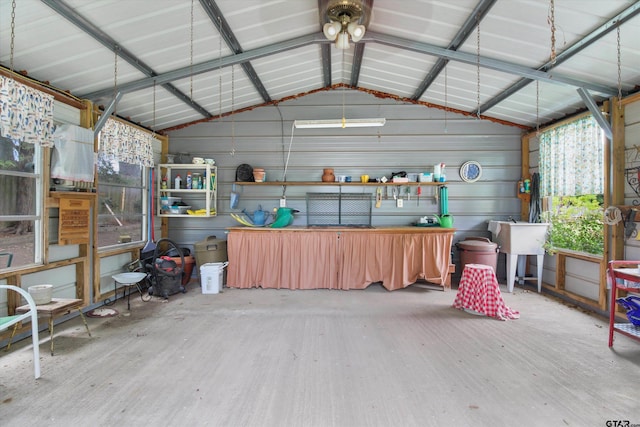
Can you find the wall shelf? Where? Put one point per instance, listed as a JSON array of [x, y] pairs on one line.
[[203, 198], [341, 184]]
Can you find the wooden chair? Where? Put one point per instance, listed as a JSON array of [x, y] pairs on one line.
[[7, 321]]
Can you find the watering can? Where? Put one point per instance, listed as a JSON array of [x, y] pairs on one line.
[[446, 221], [258, 217], [284, 218]]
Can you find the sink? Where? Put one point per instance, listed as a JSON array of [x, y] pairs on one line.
[[520, 238]]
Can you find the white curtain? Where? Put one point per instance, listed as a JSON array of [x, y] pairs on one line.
[[126, 143], [572, 159], [26, 114]]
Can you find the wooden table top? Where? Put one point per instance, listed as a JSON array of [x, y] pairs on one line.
[[332, 229], [57, 305]]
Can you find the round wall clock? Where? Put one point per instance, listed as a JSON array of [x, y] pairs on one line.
[[470, 171]]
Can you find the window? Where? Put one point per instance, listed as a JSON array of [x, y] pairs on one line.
[[572, 177], [121, 202], [572, 159], [20, 203], [21, 185], [124, 153]]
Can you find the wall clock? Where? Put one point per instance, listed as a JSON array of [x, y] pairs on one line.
[[470, 171]]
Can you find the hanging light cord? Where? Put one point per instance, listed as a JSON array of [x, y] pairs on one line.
[[344, 119], [13, 32], [233, 122], [446, 105], [551, 19], [115, 79], [619, 67], [220, 71], [191, 56], [537, 107], [286, 163], [478, 63], [154, 108]]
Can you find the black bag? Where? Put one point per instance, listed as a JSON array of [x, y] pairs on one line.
[[244, 173]]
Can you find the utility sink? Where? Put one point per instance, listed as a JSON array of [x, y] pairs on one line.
[[519, 238]]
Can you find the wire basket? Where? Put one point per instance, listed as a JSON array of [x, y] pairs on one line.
[[339, 209]]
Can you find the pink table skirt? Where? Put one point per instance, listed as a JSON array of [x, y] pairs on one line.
[[302, 259], [479, 291]]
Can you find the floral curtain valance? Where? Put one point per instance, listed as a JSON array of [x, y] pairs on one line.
[[126, 143], [572, 159], [26, 114]]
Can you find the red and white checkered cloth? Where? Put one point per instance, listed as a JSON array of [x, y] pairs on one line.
[[479, 291]]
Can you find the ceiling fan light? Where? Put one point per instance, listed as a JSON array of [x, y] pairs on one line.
[[331, 30], [342, 42], [356, 31]]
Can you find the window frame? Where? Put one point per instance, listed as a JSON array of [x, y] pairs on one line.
[[37, 216], [143, 214]]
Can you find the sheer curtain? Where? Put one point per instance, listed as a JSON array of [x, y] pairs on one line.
[[572, 159]]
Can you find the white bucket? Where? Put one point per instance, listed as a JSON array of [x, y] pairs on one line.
[[41, 294], [212, 277]]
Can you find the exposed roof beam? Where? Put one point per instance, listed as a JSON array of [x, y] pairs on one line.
[[569, 52], [326, 64], [358, 52], [318, 38], [215, 14], [210, 65], [463, 34], [325, 48], [106, 114], [85, 25], [493, 64], [595, 111]]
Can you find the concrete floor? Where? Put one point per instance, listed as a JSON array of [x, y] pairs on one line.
[[325, 358]]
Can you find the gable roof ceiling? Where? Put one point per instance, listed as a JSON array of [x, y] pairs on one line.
[[171, 63]]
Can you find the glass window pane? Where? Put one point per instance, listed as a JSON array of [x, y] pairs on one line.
[[17, 240], [121, 202], [18, 184]]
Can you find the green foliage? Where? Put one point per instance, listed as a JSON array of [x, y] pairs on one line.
[[576, 223]]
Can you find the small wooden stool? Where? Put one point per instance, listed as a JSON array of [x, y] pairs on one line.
[[57, 307]]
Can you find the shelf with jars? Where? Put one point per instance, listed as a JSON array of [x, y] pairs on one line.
[[187, 190]]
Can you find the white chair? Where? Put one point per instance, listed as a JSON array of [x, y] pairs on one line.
[[7, 321]]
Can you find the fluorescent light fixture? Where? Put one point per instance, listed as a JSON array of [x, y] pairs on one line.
[[338, 123]]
